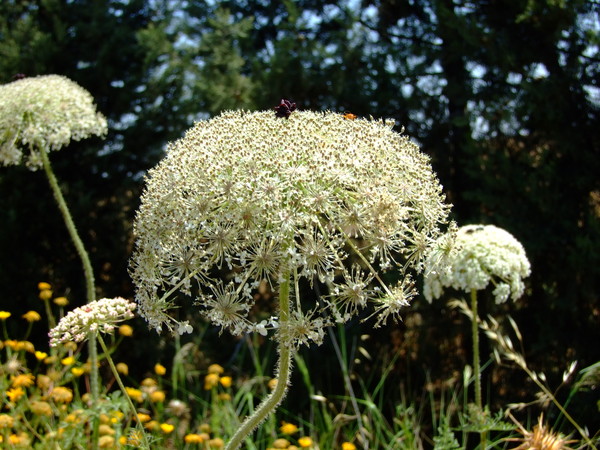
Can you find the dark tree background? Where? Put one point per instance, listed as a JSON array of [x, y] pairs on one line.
[[502, 94]]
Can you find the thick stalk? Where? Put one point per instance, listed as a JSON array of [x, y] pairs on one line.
[[476, 362], [270, 403], [89, 280]]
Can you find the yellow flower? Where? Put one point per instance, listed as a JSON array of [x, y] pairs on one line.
[[157, 396], [272, 383], [144, 417], [43, 286], [4, 315], [24, 345], [105, 429], [224, 396], [215, 368], [77, 371], [225, 381], [193, 439], [23, 380], [281, 443], [32, 316], [348, 446], [135, 394], [205, 428], [61, 301], [62, 394], [167, 428], [149, 382], [126, 330], [45, 294], [122, 368], [216, 443], [159, 369], [288, 428], [43, 382], [305, 442], [15, 394], [41, 355], [6, 421], [210, 381], [40, 408], [106, 442], [68, 361]]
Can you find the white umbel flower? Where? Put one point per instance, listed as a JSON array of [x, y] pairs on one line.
[[482, 254], [45, 112], [316, 197], [100, 316]]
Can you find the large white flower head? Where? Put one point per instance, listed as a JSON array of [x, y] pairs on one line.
[[314, 198], [45, 112], [100, 316], [482, 254]]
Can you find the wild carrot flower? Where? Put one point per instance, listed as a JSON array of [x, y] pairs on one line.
[[483, 254], [44, 112], [313, 198], [98, 316]]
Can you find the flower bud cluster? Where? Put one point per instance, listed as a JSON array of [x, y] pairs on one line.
[[247, 198], [45, 112], [482, 254], [97, 316]]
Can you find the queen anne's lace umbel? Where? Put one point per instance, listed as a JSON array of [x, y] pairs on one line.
[[482, 254], [313, 198], [45, 112], [100, 316]]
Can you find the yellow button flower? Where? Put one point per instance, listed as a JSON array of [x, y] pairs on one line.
[[15, 394], [167, 428], [32, 316], [348, 446], [305, 442], [23, 380], [281, 443], [193, 439], [62, 394], [4, 315], [61, 301], [77, 371], [6, 421], [43, 286], [68, 361], [126, 330], [45, 294], [160, 370], [216, 443], [135, 394], [215, 368], [288, 428], [157, 397], [122, 368], [41, 355], [225, 382], [40, 408], [210, 381], [143, 418]]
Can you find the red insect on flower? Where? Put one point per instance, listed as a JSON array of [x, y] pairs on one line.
[[349, 116], [285, 108]]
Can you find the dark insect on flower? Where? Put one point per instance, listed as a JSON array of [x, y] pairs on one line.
[[285, 108], [19, 76], [349, 116]]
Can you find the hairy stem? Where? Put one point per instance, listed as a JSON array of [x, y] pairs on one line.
[[476, 362], [89, 279], [270, 403]]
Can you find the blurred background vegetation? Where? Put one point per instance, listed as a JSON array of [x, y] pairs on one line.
[[503, 95]]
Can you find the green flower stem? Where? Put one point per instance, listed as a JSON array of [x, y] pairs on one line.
[[270, 403], [89, 279], [64, 209], [476, 362], [122, 387]]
